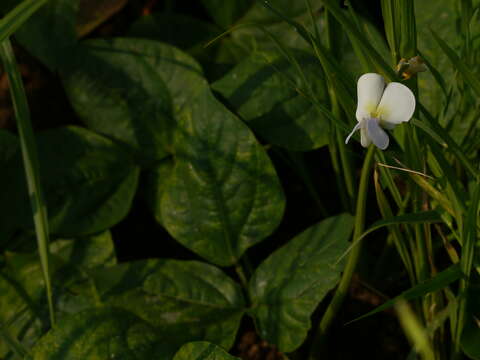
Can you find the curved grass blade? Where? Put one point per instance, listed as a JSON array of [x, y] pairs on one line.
[[30, 161], [16, 17], [438, 282]]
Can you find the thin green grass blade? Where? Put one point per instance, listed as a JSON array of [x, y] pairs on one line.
[[360, 39], [30, 161], [16, 17], [469, 77], [438, 282]]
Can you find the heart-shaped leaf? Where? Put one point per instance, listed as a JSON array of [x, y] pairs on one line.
[[185, 300]]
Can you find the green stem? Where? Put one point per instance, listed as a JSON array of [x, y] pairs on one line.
[[30, 162], [352, 259]]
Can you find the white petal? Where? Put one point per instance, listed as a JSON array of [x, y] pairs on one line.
[[364, 139], [378, 136], [355, 128], [397, 105], [369, 92]]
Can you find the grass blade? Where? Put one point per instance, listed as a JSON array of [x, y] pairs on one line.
[[16, 17], [30, 162], [438, 282]]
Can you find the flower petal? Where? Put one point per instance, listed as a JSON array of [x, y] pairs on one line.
[[397, 105], [355, 128], [364, 138], [378, 136], [370, 88]]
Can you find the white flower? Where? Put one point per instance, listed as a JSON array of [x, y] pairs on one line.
[[380, 106]]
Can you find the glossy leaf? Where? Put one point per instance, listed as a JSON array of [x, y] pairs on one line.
[[88, 180], [117, 89], [224, 195], [287, 287], [201, 350], [269, 93], [185, 300], [98, 334]]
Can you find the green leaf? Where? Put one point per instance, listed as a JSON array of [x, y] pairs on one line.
[[50, 34], [201, 350], [23, 311], [99, 334], [287, 287], [116, 88], [438, 282], [185, 300], [89, 181], [267, 92], [224, 195]]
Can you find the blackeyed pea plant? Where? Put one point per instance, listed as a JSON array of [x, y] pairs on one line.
[[239, 179]]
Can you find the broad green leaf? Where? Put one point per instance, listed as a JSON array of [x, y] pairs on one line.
[[88, 181], [268, 92], [92, 13], [23, 311], [224, 195], [185, 300], [287, 287], [216, 157], [116, 88], [201, 350], [438, 282], [50, 33], [99, 334], [225, 12]]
